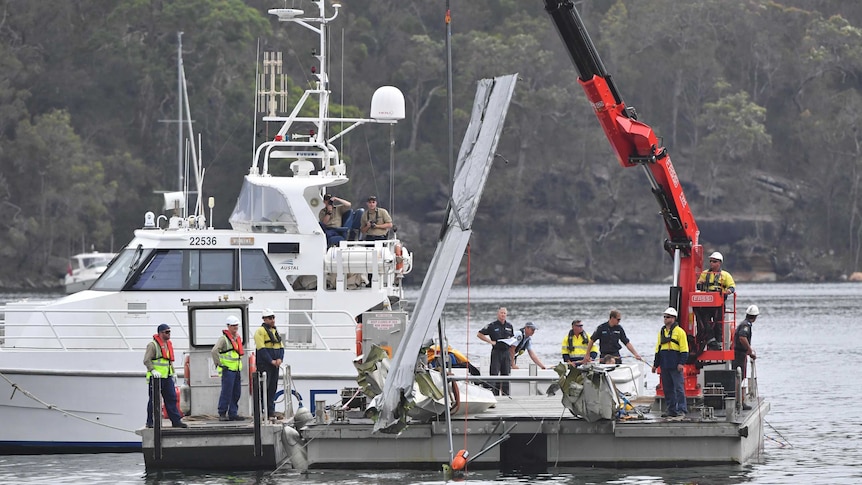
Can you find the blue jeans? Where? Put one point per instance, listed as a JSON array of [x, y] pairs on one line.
[[231, 389], [169, 397], [673, 384]]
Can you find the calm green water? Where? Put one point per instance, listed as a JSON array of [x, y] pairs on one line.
[[809, 354]]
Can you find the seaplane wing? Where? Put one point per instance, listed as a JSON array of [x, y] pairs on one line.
[[474, 164]]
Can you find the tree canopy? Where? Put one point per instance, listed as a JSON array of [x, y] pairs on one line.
[[757, 101]]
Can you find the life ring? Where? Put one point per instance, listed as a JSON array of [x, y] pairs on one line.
[[358, 339], [252, 372], [186, 372], [399, 260]]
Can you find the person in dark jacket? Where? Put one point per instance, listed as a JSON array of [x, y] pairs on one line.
[[671, 353], [500, 334], [269, 355], [742, 348], [609, 335]]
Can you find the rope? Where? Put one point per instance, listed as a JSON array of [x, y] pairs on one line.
[[467, 346], [786, 442], [52, 407]]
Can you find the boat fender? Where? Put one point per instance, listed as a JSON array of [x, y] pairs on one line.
[[186, 372], [185, 400], [252, 371], [460, 460], [302, 417], [358, 339], [295, 447], [399, 260]]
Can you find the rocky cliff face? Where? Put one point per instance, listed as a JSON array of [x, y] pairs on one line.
[[756, 248]]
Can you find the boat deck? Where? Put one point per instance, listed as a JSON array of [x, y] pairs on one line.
[[537, 432], [209, 444]]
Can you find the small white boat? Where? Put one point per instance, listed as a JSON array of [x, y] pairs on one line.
[[84, 269]]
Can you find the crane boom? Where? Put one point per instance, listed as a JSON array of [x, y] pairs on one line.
[[636, 144]]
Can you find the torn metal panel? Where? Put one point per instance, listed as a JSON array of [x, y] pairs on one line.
[[474, 164]]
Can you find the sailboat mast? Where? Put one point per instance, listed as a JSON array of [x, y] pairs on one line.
[[180, 111]]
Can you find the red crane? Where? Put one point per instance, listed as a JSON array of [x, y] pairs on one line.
[[636, 145]]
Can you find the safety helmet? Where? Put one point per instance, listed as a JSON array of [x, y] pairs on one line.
[[716, 255], [671, 311], [232, 320], [753, 311], [267, 313]]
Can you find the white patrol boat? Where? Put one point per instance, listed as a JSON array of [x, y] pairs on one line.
[[73, 367]]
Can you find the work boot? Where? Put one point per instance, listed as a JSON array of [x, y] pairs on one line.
[[223, 417], [180, 425], [746, 407], [237, 418]]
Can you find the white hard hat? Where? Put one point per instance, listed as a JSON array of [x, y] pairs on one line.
[[716, 255], [753, 311], [671, 311], [232, 320], [267, 313]]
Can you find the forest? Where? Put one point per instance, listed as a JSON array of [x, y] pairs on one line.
[[757, 101]]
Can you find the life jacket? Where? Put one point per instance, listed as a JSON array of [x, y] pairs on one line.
[[712, 280], [273, 339], [456, 358], [666, 341], [574, 348], [164, 358], [231, 358]]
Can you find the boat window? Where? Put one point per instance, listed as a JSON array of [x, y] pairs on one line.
[[163, 272], [188, 269], [303, 282], [115, 277], [261, 208], [257, 273]]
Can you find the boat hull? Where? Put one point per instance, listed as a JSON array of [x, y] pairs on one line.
[[95, 402]]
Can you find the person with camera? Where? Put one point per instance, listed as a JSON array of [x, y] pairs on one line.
[[376, 222], [331, 217]]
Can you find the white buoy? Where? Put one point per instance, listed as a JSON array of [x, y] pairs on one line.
[[295, 447]]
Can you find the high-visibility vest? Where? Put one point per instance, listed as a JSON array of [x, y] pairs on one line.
[[231, 358], [163, 362], [575, 345]]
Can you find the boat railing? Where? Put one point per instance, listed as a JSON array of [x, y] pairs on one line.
[[382, 259], [33, 328]]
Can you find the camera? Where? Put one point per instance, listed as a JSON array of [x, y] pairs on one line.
[[372, 224]]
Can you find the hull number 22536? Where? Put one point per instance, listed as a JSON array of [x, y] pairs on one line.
[[203, 241]]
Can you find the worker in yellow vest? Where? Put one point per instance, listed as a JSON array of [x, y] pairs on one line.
[[159, 361], [227, 356], [575, 345]]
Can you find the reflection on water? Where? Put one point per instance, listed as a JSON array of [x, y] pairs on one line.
[[803, 336]]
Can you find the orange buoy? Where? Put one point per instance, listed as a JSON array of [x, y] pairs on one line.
[[252, 370], [460, 460], [358, 339]]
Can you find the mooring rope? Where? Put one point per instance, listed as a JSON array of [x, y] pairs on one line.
[[52, 407]]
